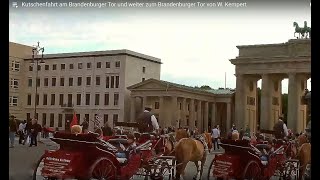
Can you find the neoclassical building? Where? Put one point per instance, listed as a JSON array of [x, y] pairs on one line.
[[178, 105], [272, 63]]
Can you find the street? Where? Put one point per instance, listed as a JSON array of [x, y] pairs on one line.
[[23, 159]]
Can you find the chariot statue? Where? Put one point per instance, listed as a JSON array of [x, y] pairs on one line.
[[303, 32]]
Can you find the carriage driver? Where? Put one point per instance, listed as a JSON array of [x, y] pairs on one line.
[[280, 128], [147, 121]]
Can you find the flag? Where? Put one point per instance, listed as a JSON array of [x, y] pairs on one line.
[[74, 120]]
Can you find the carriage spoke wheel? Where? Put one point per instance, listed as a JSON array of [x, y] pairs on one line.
[[291, 169], [252, 170], [103, 170]]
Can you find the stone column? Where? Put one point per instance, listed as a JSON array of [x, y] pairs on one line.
[[183, 112], [144, 102], [133, 109], [228, 116], [266, 103], [174, 109], [240, 101], [161, 114], [213, 115], [199, 118], [297, 114], [191, 114], [206, 114]]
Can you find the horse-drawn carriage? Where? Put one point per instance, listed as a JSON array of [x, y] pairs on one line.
[[86, 156], [243, 160]]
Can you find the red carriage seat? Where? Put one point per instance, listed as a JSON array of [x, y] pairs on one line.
[[145, 137]]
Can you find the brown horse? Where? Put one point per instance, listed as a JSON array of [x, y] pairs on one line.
[[209, 140], [181, 133], [188, 149], [304, 153]]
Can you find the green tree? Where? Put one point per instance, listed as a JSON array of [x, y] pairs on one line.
[[206, 87]]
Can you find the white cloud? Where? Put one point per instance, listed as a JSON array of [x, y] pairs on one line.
[[189, 47]]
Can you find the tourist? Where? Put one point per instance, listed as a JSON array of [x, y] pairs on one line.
[[34, 129], [85, 126], [280, 128], [215, 136], [12, 130], [21, 131], [106, 129], [147, 121]]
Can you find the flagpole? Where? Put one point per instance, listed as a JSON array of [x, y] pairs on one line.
[[225, 80]]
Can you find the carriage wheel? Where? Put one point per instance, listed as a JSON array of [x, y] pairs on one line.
[[37, 172], [210, 172], [103, 169], [252, 170], [291, 169]]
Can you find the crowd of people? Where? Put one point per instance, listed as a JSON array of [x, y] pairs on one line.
[[26, 130]]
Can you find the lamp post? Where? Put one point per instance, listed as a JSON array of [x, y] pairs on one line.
[[35, 61]]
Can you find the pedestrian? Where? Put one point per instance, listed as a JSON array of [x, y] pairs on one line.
[[21, 131], [215, 136], [280, 128], [12, 130], [34, 130], [27, 134]]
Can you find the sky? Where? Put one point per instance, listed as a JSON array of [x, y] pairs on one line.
[[194, 44]]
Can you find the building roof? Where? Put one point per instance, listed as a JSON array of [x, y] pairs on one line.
[[219, 91], [101, 53]]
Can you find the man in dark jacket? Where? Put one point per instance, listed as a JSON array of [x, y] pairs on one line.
[[107, 131], [34, 130], [85, 125], [147, 121]]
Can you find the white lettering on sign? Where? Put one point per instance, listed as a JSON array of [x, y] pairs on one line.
[[58, 160]]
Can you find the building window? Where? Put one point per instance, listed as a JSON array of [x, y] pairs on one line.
[[39, 68], [61, 99], [46, 82], [107, 82], [79, 81], [88, 81], [105, 118], [69, 100], [98, 64], [13, 100], [87, 116], [53, 99], [29, 82], [98, 80], [188, 107], [15, 66], [38, 82], [115, 118], [46, 67], [112, 81], [80, 66], [54, 67], [107, 64], [97, 99], [70, 66], [54, 81], [14, 83], [45, 99], [44, 119], [61, 81], [37, 99], [88, 65], [37, 115], [60, 120], [106, 99], [70, 81], [63, 66], [180, 106], [144, 69], [143, 79], [87, 99], [29, 100], [156, 105], [30, 68], [117, 64], [116, 99], [117, 81], [28, 116], [78, 99], [51, 120]]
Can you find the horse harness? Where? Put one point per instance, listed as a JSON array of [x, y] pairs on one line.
[[201, 138]]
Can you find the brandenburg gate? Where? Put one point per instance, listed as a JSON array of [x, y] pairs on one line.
[[272, 63]]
